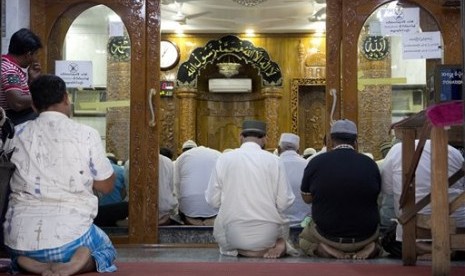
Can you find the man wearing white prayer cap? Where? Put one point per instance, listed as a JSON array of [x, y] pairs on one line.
[[192, 171], [308, 152], [188, 145], [289, 139], [294, 165]]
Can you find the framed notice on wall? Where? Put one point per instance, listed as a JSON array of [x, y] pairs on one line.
[[448, 83]]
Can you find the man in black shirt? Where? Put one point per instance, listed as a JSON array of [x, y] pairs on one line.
[[343, 187]]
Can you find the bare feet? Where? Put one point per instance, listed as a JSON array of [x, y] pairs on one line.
[[423, 248], [81, 262], [369, 251], [424, 251], [277, 251], [250, 253], [274, 252], [327, 251], [33, 266]]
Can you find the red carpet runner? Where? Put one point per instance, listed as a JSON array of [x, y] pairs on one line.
[[270, 269]]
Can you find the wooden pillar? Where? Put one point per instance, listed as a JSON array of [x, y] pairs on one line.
[[272, 98], [409, 254], [187, 115], [439, 202]]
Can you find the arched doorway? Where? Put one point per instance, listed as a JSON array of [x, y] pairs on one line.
[[51, 20], [342, 32]]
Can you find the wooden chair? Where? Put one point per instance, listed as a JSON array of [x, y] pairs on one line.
[[443, 234]]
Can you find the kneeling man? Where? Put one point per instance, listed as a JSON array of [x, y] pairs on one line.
[[250, 188], [49, 226], [343, 187]]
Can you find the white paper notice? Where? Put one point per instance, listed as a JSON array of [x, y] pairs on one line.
[[75, 73], [116, 29], [399, 21], [425, 45]]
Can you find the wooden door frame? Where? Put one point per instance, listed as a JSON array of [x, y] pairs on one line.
[[51, 19], [344, 22]]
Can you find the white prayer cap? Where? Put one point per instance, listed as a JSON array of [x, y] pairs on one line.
[[189, 144], [289, 138], [309, 152]]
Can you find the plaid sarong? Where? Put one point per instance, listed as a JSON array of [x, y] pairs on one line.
[[100, 246]]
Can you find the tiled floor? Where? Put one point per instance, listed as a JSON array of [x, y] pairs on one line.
[[163, 254]]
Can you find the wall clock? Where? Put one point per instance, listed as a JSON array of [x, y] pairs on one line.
[[169, 55]]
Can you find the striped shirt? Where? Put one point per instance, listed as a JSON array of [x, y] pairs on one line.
[[13, 78]]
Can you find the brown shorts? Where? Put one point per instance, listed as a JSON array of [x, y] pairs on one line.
[[309, 239]]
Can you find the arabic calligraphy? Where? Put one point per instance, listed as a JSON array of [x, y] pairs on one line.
[[119, 48], [230, 45], [375, 47]]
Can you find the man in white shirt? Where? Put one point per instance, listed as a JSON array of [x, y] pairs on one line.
[[294, 164], [391, 175], [249, 186], [167, 201], [49, 226], [192, 172]]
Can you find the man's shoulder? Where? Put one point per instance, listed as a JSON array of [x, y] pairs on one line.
[[9, 67], [84, 130]]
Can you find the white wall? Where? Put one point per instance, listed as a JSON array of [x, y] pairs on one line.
[[16, 17], [87, 39], [412, 69]]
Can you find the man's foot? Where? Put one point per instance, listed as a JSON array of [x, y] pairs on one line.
[[81, 262], [327, 251], [424, 250], [32, 266], [369, 251], [277, 251]]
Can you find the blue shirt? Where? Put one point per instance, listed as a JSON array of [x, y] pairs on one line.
[[115, 195]]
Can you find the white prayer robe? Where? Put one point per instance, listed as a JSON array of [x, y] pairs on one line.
[[249, 186], [295, 166], [167, 200], [192, 172]]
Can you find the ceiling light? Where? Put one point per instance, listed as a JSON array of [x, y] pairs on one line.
[[249, 3], [249, 32]]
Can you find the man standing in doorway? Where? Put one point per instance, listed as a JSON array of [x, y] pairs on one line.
[[19, 68]]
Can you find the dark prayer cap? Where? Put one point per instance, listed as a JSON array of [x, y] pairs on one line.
[[254, 126], [344, 126]]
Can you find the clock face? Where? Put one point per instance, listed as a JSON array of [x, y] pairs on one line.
[[169, 55]]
